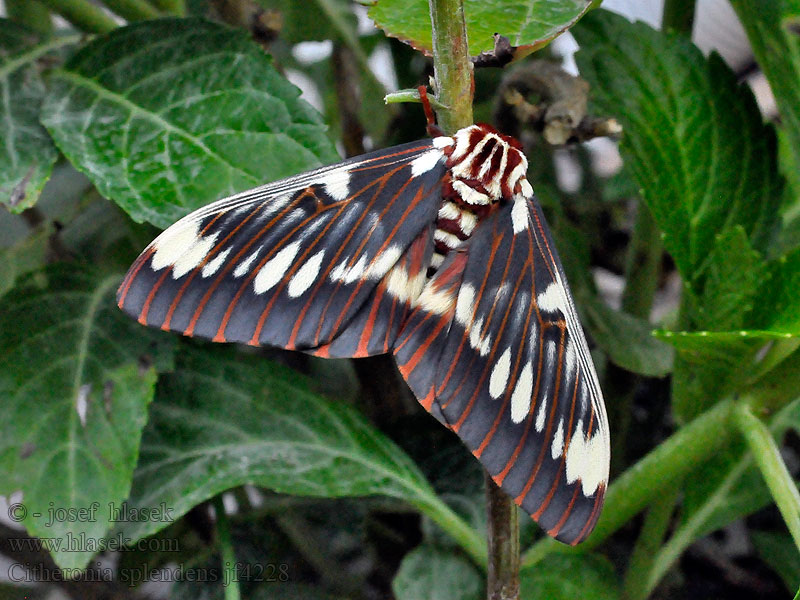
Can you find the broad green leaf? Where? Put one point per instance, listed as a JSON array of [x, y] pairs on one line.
[[74, 395], [772, 30], [569, 576], [694, 138], [628, 341], [223, 419], [779, 552], [27, 153], [529, 24], [436, 574], [165, 116]]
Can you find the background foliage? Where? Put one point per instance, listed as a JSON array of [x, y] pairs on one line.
[[336, 484]]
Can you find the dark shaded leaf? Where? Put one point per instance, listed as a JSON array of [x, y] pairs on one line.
[[223, 419], [435, 574]]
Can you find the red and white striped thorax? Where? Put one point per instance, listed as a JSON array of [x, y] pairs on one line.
[[485, 168]]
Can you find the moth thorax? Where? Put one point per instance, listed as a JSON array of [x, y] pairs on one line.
[[485, 165]]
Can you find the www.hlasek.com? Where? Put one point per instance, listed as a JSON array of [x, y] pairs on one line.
[[81, 542]]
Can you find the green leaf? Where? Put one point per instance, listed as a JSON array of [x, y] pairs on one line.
[[165, 116], [569, 576], [27, 153], [628, 341], [772, 30], [694, 138], [780, 553], [223, 419], [779, 301], [437, 574], [529, 24], [729, 290], [75, 398], [23, 257]]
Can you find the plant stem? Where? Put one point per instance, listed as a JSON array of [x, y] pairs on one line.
[[82, 14], [773, 469], [30, 13], [642, 266], [451, 65], [678, 15], [503, 568], [454, 87], [132, 10], [644, 553], [170, 7], [230, 579]]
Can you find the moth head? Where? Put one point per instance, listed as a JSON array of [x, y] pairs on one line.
[[488, 161]]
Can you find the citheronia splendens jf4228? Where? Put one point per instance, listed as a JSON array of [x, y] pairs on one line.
[[435, 251]]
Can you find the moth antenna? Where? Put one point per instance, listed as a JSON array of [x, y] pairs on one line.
[[432, 128]]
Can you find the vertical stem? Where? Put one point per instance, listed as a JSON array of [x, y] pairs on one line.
[[642, 266], [348, 95], [229, 577], [773, 469], [678, 15], [451, 65], [454, 88], [83, 14], [30, 13], [503, 537], [646, 550]]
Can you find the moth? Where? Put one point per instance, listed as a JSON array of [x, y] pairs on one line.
[[435, 251]]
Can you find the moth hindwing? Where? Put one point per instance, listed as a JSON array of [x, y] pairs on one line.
[[435, 251]]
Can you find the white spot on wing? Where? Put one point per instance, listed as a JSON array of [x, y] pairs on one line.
[[306, 275], [174, 243], [401, 287], [526, 188], [551, 299], [541, 414], [194, 256], [521, 396], [500, 373], [244, 267], [557, 446], [588, 459], [425, 162], [434, 301], [519, 214], [464, 305], [385, 261], [337, 183], [214, 265], [275, 268]]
